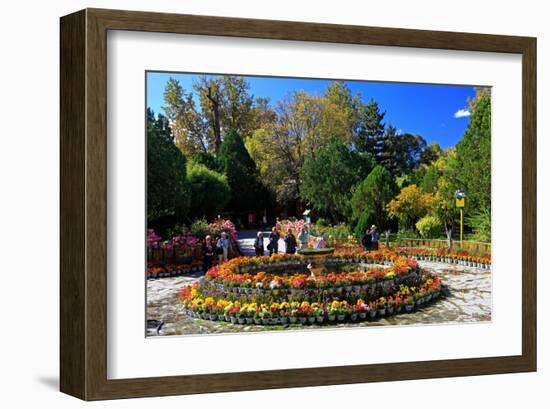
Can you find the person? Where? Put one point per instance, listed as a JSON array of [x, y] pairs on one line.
[[273, 245], [303, 238], [222, 247], [290, 242], [374, 237], [259, 244], [366, 240], [208, 252]]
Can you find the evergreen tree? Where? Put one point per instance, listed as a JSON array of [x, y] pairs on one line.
[[401, 153], [471, 169], [247, 193], [166, 191], [209, 191], [372, 195], [370, 132], [328, 178]]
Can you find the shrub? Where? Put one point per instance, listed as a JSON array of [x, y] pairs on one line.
[[481, 223], [209, 191], [365, 221], [200, 228], [429, 227]]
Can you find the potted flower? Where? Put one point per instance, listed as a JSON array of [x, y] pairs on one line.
[[390, 306], [381, 305], [409, 304]]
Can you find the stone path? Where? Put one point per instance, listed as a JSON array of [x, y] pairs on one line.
[[470, 301]]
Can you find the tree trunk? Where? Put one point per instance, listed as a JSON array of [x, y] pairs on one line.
[[449, 233], [216, 113]]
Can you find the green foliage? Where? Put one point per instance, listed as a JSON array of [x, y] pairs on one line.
[[410, 205], [481, 223], [429, 227], [470, 171], [328, 177], [432, 153], [186, 121], [370, 135], [365, 221], [199, 228], [429, 180], [401, 153], [373, 194], [166, 192], [247, 193], [209, 191], [207, 159], [321, 222]]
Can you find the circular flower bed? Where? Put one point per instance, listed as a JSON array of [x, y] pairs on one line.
[[281, 290]]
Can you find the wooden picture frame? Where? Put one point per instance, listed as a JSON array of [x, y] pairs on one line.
[[83, 232]]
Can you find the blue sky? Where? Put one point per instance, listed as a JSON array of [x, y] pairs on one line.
[[434, 111]]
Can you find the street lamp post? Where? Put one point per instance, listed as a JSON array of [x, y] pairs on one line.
[[460, 197]]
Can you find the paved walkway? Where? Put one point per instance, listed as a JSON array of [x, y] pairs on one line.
[[246, 242]]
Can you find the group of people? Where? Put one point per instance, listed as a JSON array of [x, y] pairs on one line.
[[220, 246], [211, 248], [370, 239], [273, 242]]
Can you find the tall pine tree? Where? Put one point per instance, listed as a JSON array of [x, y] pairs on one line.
[[370, 133]]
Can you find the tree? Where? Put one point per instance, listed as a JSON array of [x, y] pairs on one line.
[[328, 177], [247, 193], [372, 195], [226, 104], [370, 129], [185, 121], [166, 193], [401, 153], [410, 205], [304, 123], [207, 159], [208, 189], [432, 153], [429, 226], [470, 171]]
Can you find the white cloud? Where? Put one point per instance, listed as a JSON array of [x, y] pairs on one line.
[[461, 113]]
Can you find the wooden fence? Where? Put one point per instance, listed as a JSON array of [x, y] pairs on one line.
[[475, 247]]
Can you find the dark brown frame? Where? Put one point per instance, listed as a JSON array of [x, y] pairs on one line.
[[83, 231]]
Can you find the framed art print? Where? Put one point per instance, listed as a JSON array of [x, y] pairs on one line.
[[252, 204]]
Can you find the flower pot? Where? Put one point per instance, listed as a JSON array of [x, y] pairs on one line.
[[356, 288], [382, 312], [257, 321], [341, 317], [240, 320], [227, 318], [362, 315], [331, 318], [265, 321], [292, 320], [284, 320], [310, 320], [409, 307], [233, 320], [319, 319], [372, 313], [302, 320], [390, 310], [347, 288], [353, 317]]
